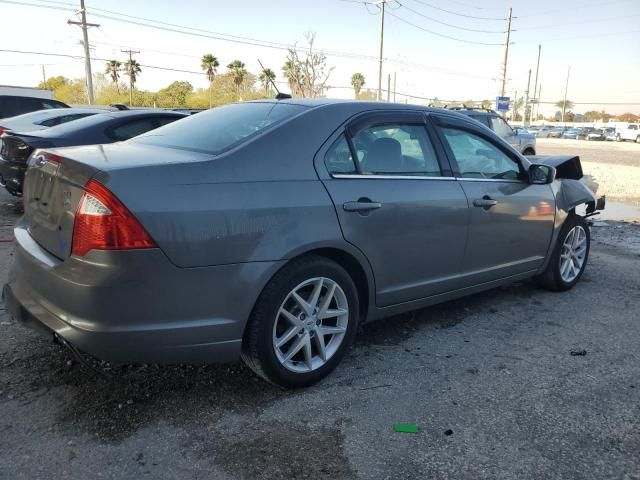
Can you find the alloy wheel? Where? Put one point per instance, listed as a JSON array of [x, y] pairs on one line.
[[310, 325], [573, 254]]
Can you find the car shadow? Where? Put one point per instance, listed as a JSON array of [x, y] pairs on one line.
[[117, 403]]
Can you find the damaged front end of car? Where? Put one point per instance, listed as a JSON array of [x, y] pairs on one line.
[[573, 189]]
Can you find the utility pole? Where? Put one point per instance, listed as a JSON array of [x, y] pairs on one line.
[[85, 43], [130, 52], [382, 5], [394, 87], [566, 87], [526, 100], [44, 77], [506, 55], [515, 104], [388, 88], [535, 83], [539, 97]]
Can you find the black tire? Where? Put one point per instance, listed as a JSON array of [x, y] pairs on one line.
[[551, 279], [529, 151], [257, 347]]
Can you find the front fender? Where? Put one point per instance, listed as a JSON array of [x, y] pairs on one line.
[[572, 193]]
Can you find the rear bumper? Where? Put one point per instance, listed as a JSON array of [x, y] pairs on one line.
[[135, 306], [12, 176]]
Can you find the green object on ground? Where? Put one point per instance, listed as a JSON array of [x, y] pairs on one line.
[[406, 427]]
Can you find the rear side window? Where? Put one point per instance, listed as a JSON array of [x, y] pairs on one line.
[[396, 149], [338, 159], [221, 128]]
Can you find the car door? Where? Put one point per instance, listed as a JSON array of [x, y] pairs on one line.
[[398, 203], [511, 221]]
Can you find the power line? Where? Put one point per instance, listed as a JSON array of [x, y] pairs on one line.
[[590, 5], [449, 24], [608, 34], [441, 34], [286, 47], [599, 20], [456, 13]]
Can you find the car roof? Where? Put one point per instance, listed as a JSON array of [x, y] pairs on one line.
[[362, 106]]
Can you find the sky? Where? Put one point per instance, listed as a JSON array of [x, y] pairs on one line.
[[435, 48]]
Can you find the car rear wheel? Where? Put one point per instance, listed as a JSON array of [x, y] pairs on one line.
[[618, 138], [569, 257], [638, 139], [529, 151], [302, 324]]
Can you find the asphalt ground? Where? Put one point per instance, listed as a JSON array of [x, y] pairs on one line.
[[489, 380]]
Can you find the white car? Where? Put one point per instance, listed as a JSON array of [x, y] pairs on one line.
[[632, 132]]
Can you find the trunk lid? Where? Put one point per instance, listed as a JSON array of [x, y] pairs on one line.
[[55, 180], [53, 187]]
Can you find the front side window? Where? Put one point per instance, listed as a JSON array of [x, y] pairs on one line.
[[633, 127], [479, 158], [396, 149], [501, 127]]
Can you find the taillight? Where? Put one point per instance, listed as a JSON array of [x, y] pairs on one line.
[[1, 130], [102, 222]]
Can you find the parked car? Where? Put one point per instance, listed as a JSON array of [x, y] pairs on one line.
[[271, 229], [556, 132], [584, 133], [13, 105], [571, 133], [543, 132], [43, 119], [522, 140], [101, 128], [632, 132], [596, 134], [610, 134]]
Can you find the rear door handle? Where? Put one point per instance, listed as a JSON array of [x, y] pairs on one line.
[[485, 202], [361, 206]]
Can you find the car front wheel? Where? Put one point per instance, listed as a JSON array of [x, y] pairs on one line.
[[569, 257], [302, 324]]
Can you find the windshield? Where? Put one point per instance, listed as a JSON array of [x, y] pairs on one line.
[[221, 128]]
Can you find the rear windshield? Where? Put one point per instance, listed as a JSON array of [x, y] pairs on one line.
[[221, 128]]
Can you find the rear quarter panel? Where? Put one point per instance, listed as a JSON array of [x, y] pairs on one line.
[[262, 201]]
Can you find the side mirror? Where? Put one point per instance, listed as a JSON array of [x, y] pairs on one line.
[[541, 174]]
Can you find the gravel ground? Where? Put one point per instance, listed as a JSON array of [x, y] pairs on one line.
[[615, 166], [489, 380]]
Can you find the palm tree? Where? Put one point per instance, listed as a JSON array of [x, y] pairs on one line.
[[210, 64], [564, 105], [357, 82], [238, 72], [113, 69], [266, 77], [132, 70], [291, 72]]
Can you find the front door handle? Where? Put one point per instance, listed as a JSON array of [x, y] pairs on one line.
[[485, 202], [362, 205]]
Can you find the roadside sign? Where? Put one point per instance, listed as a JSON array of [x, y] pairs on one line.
[[502, 104]]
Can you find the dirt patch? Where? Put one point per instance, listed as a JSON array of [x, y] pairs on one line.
[[278, 451], [113, 408]]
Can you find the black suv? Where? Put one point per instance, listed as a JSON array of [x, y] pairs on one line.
[[12, 105]]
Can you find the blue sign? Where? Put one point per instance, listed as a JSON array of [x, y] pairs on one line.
[[502, 104]]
